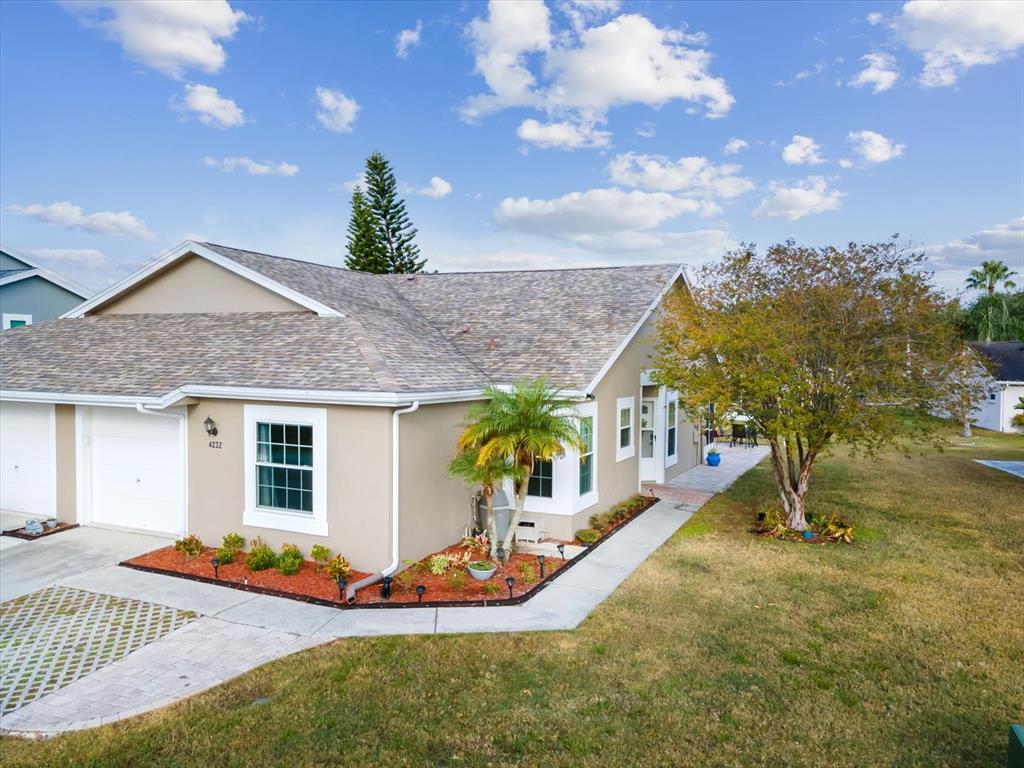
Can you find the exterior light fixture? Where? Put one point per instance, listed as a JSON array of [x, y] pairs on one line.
[[216, 565], [211, 426], [540, 560], [342, 582], [420, 589], [385, 588], [510, 581], [561, 550]]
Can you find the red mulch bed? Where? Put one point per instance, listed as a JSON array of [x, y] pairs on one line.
[[644, 504]]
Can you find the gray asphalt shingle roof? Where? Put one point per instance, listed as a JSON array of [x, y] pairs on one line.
[[399, 333], [1008, 357]]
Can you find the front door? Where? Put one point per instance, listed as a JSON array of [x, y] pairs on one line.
[[648, 464]]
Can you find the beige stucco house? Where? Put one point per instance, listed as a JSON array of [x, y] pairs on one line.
[[221, 390]]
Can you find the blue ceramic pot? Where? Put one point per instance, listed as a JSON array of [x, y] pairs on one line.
[[714, 459]]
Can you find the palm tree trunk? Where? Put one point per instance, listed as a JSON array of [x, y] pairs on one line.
[[510, 534]]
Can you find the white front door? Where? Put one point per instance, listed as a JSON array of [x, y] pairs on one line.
[[135, 470], [27, 461], [648, 438]]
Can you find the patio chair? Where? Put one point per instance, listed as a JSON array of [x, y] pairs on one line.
[[751, 436], [739, 434]]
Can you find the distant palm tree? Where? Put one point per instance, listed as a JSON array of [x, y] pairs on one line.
[[527, 423], [991, 274]]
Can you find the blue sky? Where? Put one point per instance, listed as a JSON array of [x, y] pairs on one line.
[[524, 134]]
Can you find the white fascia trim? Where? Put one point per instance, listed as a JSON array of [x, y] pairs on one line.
[[681, 272], [20, 275], [194, 248], [38, 269], [384, 399]]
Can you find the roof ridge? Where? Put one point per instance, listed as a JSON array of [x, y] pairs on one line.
[[536, 271]]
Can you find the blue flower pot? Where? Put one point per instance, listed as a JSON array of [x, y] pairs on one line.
[[808, 535], [714, 459]]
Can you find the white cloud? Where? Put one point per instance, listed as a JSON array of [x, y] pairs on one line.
[[874, 147], [845, 162], [584, 12], [437, 188], [693, 247], [880, 72], [735, 146], [170, 36], [874, 19], [810, 195], [803, 74], [695, 175], [579, 216], [562, 135], [802, 150], [337, 111], [953, 260], [88, 258], [646, 130], [580, 75], [253, 168], [408, 39], [952, 37], [210, 107], [69, 216]]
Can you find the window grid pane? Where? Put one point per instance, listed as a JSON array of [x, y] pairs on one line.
[[540, 483], [284, 460], [587, 455]]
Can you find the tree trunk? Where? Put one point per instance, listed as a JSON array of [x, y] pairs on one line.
[[510, 535], [492, 524], [791, 481], [966, 432]]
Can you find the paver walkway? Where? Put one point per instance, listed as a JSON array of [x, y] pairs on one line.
[[1012, 467], [237, 631]]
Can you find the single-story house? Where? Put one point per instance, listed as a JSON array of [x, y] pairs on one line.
[[31, 293], [220, 390], [1004, 387]]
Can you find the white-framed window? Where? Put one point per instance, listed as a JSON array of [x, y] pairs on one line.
[[285, 466], [624, 442], [586, 455], [14, 320], [671, 430], [542, 480]]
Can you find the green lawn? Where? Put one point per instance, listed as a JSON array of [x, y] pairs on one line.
[[906, 649]]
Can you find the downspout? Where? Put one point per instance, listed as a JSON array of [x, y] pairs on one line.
[[350, 591]]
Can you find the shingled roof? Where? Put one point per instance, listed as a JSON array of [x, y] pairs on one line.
[[396, 333], [1007, 357]]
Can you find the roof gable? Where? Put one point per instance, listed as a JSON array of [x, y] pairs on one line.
[[1008, 357]]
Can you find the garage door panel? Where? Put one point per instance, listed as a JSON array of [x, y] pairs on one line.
[[27, 458], [136, 471]]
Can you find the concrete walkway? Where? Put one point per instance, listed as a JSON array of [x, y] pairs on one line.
[[698, 484], [1012, 467], [237, 631]]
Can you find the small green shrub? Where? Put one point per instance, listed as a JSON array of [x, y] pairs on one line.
[[233, 541], [439, 564], [490, 588], [320, 554], [588, 535], [457, 580], [226, 556], [479, 543], [404, 580], [191, 546], [836, 528], [602, 520], [290, 560], [527, 573], [260, 556], [338, 568]]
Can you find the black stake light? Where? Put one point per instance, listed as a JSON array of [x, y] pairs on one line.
[[385, 588], [561, 550], [540, 560], [510, 581], [420, 589], [342, 583], [216, 564]]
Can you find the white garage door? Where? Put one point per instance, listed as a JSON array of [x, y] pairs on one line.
[[135, 470], [27, 468]]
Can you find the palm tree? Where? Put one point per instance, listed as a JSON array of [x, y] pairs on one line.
[[488, 475], [991, 274], [530, 421]]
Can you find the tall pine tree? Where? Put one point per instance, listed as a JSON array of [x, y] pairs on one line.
[[394, 229], [365, 250]]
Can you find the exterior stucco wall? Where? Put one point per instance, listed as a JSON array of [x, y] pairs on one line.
[[196, 285], [996, 414], [38, 297], [65, 452], [435, 508], [358, 481]]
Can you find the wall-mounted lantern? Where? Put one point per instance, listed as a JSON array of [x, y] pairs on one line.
[[211, 426]]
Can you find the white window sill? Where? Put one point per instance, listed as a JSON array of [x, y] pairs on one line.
[[279, 520], [585, 501], [624, 454], [671, 461]]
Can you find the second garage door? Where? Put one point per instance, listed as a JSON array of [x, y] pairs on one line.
[[135, 470]]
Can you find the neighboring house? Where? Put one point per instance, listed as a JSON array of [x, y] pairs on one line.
[[1006, 386], [222, 390], [30, 293]]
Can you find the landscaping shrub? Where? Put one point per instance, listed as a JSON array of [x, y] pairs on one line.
[[260, 556], [439, 564], [479, 543], [191, 546], [226, 556], [588, 535], [404, 580], [601, 520], [233, 541], [457, 580], [338, 568], [490, 588], [320, 554], [290, 560], [528, 574]]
